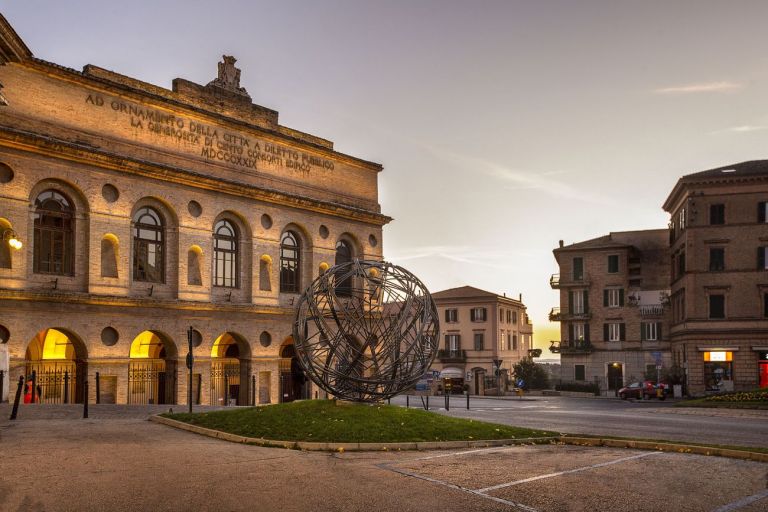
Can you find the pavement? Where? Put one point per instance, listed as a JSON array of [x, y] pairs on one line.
[[53, 460]]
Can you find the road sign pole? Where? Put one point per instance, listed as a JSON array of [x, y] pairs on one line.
[[190, 361]]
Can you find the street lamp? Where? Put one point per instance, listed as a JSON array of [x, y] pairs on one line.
[[9, 235]]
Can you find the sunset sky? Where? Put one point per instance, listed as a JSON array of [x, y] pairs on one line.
[[503, 126]]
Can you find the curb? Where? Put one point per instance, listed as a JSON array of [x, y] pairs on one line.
[[452, 445]]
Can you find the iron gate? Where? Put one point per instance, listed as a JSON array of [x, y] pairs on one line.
[[152, 381], [55, 382], [225, 381]]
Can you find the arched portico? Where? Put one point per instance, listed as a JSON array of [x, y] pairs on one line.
[[55, 368], [152, 369], [230, 369]]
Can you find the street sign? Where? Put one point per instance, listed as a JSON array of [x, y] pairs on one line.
[[656, 357], [497, 363], [658, 367], [189, 360]]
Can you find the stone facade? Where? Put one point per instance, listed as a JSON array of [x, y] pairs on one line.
[[195, 155], [478, 327]]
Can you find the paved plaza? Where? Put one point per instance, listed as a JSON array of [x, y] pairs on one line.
[[116, 460]]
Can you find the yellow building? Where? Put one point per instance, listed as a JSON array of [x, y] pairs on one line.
[[144, 211]]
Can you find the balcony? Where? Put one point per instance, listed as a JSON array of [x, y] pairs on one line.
[[570, 347], [452, 356], [556, 281], [651, 310], [557, 315]]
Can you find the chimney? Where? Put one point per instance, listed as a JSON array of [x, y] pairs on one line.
[[561, 244], [520, 297]]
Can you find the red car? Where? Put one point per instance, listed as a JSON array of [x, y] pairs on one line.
[[640, 390]]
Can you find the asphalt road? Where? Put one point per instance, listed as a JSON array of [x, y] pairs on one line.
[[649, 419]]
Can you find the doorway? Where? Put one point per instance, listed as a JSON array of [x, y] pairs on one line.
[[615, 376]]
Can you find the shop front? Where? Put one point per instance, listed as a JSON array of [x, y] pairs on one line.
[[718, 371], [762, 368]]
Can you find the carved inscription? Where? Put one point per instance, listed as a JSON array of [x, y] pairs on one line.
[[215, 144]]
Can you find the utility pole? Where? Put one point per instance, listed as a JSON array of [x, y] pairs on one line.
[[190, 361]]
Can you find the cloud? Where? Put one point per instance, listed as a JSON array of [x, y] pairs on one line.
[[723, 86], [474, 255], [745, 128]]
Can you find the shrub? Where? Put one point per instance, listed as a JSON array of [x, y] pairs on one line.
[[584, 387]]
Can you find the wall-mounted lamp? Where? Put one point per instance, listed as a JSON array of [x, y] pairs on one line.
[[13, 240]]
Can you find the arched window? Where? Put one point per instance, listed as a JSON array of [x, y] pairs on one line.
[[225, 254], [54, 234], [148, 246], [290, 262], [343, 255]]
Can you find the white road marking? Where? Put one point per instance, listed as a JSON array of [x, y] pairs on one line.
[[569, 471], [520, 506], [743, 502]]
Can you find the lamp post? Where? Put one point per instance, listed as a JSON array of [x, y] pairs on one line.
[[190, 361]]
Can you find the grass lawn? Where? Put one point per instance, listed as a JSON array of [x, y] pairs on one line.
[[756, 399], [325, 421]]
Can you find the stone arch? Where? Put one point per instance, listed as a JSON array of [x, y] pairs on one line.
[[152, 369], [230, 370], [109, 255], [293, 382], [55, 367]]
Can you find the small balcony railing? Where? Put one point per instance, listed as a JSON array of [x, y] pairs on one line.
[[452, 356], [651, 310], [556, 281], [570, 347], [558, 315]]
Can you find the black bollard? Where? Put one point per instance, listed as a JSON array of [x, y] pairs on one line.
[[253, 385], [448, 402], [34, 379], [85, 398], [98, 393], [66, 387], [389, 401], [407, 401], [15, 410], [2, 384], [467, 400], [226, 390], [427, 402]]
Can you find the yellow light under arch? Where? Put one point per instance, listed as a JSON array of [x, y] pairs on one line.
[[221, 344], [146, 345], [56, 345]]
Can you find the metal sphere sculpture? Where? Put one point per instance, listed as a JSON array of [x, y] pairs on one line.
[[366, 330]]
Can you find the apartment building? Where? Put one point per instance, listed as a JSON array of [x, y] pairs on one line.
[[692, 298], [614, 323], [481, 332], [718, 240]]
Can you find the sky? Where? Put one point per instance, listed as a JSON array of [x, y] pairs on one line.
[[502, 126]]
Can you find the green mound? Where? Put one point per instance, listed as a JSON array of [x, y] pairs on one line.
[[327, 421], [755, 399]]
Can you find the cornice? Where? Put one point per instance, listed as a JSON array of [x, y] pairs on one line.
[[76, 298], [88, 155]]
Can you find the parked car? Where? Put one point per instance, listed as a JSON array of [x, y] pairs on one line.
[[644, 389]]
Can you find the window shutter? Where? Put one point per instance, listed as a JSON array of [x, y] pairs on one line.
[[570, 301], [485, 314], [586, 332], [570, 332], [458, 342], [605, 298], [586, 301], [622, 332], [658, 331], [605, 332], [446, 315], [761, 211], [761, 258], [621, 297], [447, 345], [642, 332], [472, 314]]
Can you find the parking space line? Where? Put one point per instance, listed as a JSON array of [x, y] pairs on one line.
[[519, 506], [742, 502], [569, 471]]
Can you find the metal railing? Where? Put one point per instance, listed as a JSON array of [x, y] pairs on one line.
[[454, 355], [570, 347], [558, 281]]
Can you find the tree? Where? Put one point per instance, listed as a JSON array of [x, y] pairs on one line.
[[533, 375]]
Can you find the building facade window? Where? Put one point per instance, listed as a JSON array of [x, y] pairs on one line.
[[344, 255], [453, 343], [716, 259], [762, 260], [681, 264], [478, 314], [514, 317], [614, 331], [578, 302], [578, 332], [479, 341], [148, 246], [765, 304], [225, 255], [514, 342], [613, 264], [510, 317], [509, 341], [579, 372], [716, 214], [681, 219], [290, 262], [650, 331], [451, 315], [613, 297], [716, 306], [578, 269], [54, 235], [762, 210]]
